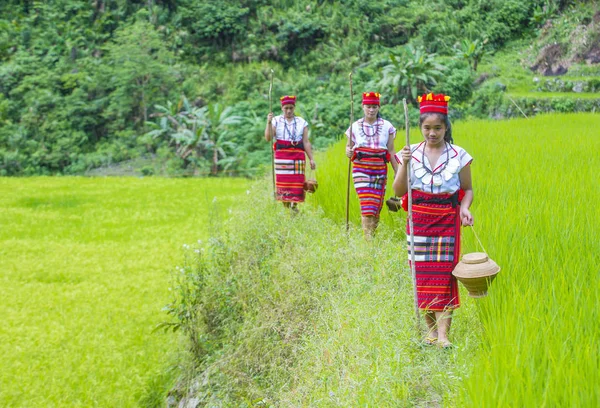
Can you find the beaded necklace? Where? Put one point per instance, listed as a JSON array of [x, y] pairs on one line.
[[443, 166], [443, 172], [377, 129], [286, 129]]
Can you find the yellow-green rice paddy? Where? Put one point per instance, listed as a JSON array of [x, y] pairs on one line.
[[84, 272], [85, 266], [536, 184]]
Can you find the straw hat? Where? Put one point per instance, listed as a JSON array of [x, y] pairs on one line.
[[476, 271]]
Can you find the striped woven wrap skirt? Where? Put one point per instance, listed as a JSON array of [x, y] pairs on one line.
[[290, 163], [437, 249], [369, 173]]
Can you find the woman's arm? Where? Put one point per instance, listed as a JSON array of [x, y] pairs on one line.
[[349, 143], [400, 184], [308, 148], [392, 150], [271, 131], [467, 186]]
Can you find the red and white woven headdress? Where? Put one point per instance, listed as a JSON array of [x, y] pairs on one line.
[[433, 103], [371, 98], [288, 100]]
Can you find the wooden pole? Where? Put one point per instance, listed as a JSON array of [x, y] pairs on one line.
[[410, 224], [349, 159], [523, 113], [272, 141]]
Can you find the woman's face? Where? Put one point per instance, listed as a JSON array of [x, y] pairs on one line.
[[371, 111], [288, 111], [433, 129]]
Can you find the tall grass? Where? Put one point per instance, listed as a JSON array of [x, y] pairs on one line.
[[536, 211], [540, 218], [84, 273], [291, 311]]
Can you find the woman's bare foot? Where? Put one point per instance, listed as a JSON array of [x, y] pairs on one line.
[[444, 343]]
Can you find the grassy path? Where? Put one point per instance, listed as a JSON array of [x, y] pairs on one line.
[[84, 272]]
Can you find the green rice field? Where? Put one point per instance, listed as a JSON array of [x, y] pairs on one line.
[[85, 269], [536, 212], [86, 266]]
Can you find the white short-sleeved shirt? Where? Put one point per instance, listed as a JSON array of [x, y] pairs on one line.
[[425, 178], [290, 131], [375, 136]]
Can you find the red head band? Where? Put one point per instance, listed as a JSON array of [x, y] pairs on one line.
[[371, 98], [433, 103], [288, 100]]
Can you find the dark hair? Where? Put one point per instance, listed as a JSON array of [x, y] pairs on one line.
[[448, 135]]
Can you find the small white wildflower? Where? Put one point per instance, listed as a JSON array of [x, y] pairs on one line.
[[197, 251], [247, 192], [199, 242], [214, 199]]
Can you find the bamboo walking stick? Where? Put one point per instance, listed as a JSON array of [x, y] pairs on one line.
[[410, 223], [349, 159], [272, 142]]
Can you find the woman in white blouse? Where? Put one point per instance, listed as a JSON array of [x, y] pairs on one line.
[[370, 146], [440, 181], [290, 146]]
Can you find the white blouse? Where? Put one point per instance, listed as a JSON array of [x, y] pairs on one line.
[[375, 136], [290, 131], [444, 177]]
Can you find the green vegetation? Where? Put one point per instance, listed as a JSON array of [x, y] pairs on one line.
[[82, 83], [84, 272], [290, 312], [533, 211]]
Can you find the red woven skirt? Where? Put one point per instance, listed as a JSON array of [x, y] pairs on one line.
[[290, 162], [437, 249], [369, 173]]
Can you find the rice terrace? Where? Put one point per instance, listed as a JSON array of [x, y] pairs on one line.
[[211, 204]]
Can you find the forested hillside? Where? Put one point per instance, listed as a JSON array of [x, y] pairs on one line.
[[180, 87]]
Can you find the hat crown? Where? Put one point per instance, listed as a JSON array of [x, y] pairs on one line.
[[371, 98], [288, 100], [437, 103]]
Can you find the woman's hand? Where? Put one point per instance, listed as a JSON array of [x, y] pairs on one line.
[[406, 154], [465, 217], [349, 152], [313, 165], [270, 118]]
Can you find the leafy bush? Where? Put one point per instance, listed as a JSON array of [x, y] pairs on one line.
[[457, 81], [80, 80], [259, 301]]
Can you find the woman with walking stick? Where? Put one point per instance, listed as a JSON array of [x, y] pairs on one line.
[[370, 147], [291, 143], [442, 193]]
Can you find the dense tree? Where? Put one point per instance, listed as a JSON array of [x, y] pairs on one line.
[[141, 73], [82, 81]]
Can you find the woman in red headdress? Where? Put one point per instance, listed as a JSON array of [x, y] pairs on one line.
[[442, 192], [290, 145], [370, 146]]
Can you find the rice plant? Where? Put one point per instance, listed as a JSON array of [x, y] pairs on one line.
[[536, 211], [85, 271]]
